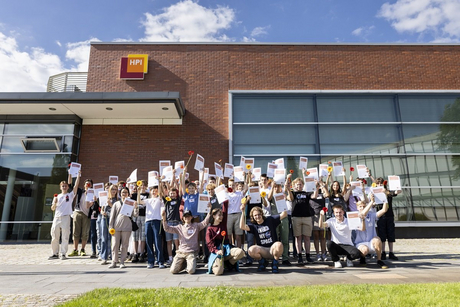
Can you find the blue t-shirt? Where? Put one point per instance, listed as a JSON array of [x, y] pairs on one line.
[[369, 233], [265, 233], [191, 203]]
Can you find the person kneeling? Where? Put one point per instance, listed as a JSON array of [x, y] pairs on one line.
[[264, 229], [187, 252]]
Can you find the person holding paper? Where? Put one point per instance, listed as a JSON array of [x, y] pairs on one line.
[[93, 214], [188, 248], [138, 236], [123, 228], [352, 200], [62, 207], [81, 222], [153, 207], [386, 224], [336, 195], [317, 202], [283, 228], [302, 213], [222, 253], [367, 240], [264, 229], [237, 193], [341, 243], [106, 209]]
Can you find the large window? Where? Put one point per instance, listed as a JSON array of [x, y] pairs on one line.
[[414, 136]]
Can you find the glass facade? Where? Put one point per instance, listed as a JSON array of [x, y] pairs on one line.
[[28, 180], [415, 136]]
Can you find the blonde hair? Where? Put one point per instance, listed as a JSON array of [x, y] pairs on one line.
[[298, 179]]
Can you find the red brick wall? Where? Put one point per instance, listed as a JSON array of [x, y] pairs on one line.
[[203, 74]]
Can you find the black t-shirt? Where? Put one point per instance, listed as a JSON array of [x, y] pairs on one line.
[[318, 204], [390, 212], [141, 207], [338, 200], [301, 204], [172, 209], [214, 203], [265, 233]]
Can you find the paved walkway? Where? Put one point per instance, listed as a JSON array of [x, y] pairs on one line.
[[27, 278]]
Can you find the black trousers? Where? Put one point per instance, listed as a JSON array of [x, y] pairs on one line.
[[342, 249]]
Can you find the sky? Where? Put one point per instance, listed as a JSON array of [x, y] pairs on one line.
[[39, 39]]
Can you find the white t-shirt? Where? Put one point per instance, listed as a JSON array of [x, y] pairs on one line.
[[64, 204], [234, 202], [153, 208], [341, 233]]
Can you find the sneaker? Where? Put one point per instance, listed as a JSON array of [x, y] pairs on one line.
[[168, 262], [309, 260], [99, 259], [384, 256], [287, 263], [300, 260], [362, 261], [249, 263], [392, 256], [262, 265], [93, 256], [319, 257], [206, 265], [337, 264], [122, 266], [52, 257], [161, 266], [82, 252], [104, 262], [324, 257], [150, 266], [275, 266], [382, 264], [143, 258], [135, 259], [130, 257], [349, 263], [113, 265], [63, 257], [74, 253]]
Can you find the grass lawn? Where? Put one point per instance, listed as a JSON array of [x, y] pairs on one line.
[[435, 294]]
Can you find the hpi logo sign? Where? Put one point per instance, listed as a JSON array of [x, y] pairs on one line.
[[134, 66]]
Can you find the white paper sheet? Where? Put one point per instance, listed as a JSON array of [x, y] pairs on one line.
[[280, 175], [338, 168], [127, 207], [280, 202], [221, 193], [199, 163], [303, 163], [103, 197], [203, 201], [254, 192], [219, 171], [74, 169], [113, 179], [152, 179], [362, 171], [394, 183], [228, 171], [354, 221], [133, 177], [271, 169]]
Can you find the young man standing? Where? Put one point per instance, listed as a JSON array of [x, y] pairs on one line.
[[81, 222], [62, 205]]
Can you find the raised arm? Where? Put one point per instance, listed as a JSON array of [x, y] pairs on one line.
[[383, 210], [243, 224]]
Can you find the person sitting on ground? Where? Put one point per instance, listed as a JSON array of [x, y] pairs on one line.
[[367, 241], [264, 229], [189, 247], [341, 243]]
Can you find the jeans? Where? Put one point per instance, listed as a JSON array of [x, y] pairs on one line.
[[153, 237], [93, 236], [106, 238]]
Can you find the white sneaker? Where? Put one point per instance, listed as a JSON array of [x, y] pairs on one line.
[[104, 262], [349, 263], [113, 265], [324, 257], [63, 257], [168, 262], [337, 264], [122, 266], [99, 259]]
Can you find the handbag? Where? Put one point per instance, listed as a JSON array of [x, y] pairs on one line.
[[134, 225]]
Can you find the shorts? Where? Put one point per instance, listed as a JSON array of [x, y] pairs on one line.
[[81, 226], [386, 229], [139, 235], [172, 236], [369, 246], [302, 226], [233, 224]]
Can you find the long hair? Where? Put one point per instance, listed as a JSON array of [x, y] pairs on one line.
[[110, 193], [213, 212], [339, 191], [256, 209]]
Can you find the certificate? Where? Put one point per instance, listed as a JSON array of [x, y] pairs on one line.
[[249, 164], [394, 183], [238, 174], [98, 187], [354, 221], [221, 193], [271, 170], [199, 163], [179, 167], [280, 175], [228, 171], [256, 173], [133, 177], [103, 197], [90, 195], [113, 179], [303, 163], [310, 184], [357, 190], [362, 171], [127, 207], [338, 168], [203, 201], [242, 159], [74, 169], [323, 170], [280, 201], [218, 170], [204, 176], [167, 174], [279, 162], [153, 179], [254, 193], [312, 173], [163, 164], [379, 195]]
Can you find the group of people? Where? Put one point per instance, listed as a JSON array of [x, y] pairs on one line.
[[168, 213]]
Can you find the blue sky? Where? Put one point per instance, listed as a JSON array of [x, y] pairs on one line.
[[42, 38]]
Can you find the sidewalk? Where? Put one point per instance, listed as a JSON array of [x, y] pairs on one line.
[[28, 278]]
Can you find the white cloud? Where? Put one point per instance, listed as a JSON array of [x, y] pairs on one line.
[[187, 21], [258, 31], [438, 18], [363, 32], [79, 53]]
